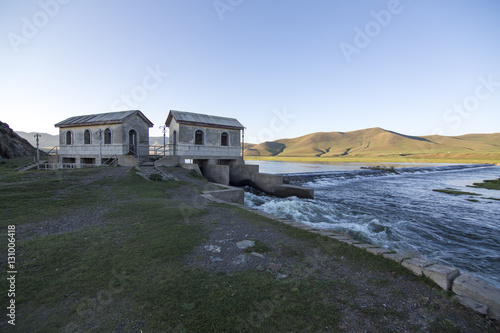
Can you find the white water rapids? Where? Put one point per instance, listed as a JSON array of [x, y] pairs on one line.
[[400, 211]]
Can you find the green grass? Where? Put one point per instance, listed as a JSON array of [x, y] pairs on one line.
[[375, 159], [131, 266], [128, 274], [259, 247], [454, 192], [33, 195], [488, 184], [193, 174]]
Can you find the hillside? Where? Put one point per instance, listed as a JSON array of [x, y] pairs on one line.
[[378, 142], [12, 145]]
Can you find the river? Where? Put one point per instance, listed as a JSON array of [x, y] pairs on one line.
[[399, 211]]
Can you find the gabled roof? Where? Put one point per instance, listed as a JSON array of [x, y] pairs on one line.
[[190, 118], [103, 119]]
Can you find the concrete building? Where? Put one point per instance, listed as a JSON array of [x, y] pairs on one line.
[[94, 139], [201, 136], [213, 145]]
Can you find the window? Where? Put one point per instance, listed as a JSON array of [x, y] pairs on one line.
[[224, 139], [69, 138], [107, 136], [86, 137], [198, 137]]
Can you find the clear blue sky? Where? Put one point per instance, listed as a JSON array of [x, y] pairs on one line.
[[284, 68]]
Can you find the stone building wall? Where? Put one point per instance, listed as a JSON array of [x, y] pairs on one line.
[[119, 140]]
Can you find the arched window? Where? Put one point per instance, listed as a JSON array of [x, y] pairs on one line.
[[198, 137], [224, 139], [107, 136], [86, 137], [69, 138]]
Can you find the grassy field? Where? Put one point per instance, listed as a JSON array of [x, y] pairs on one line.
[[377, 145], [101, 253], [381, 159]]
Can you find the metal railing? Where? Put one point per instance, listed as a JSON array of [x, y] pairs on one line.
[[56, 166], [113, 160], [178, 149], [52, 153]]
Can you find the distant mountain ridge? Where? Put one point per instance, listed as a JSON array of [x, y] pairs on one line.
[[47, 141], [377, 142]]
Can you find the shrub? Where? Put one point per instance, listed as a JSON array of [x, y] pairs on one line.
[[155, 176]]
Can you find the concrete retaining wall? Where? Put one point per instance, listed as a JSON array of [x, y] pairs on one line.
[[292, 190], [240, 172], [229, 194], [168, 161], [236, 172], [217, 173]]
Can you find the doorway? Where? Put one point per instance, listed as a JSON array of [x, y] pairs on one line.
[[132, 142]]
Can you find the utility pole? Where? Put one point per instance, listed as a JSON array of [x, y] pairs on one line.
[[164, 130], [37, 135], [99, 133], [243, 144]]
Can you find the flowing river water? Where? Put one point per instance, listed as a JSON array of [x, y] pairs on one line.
[[400, 211]]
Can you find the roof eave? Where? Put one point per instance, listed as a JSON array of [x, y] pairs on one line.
[[88, 124], [193, 123]]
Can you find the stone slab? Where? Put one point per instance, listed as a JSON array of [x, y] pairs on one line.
[[245, 244], [478, 290], [347, 240], [378, 251], [340, 237], [416, 265], [472, 304], [396, 257], [363, 246], [325, 233], [442, 275]]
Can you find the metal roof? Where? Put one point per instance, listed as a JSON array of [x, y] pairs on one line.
[[102, 119], [190, 118]]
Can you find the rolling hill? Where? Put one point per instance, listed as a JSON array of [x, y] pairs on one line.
[[378, 142]]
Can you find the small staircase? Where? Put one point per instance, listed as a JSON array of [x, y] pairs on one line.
[[30, 166], [146, 169]]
